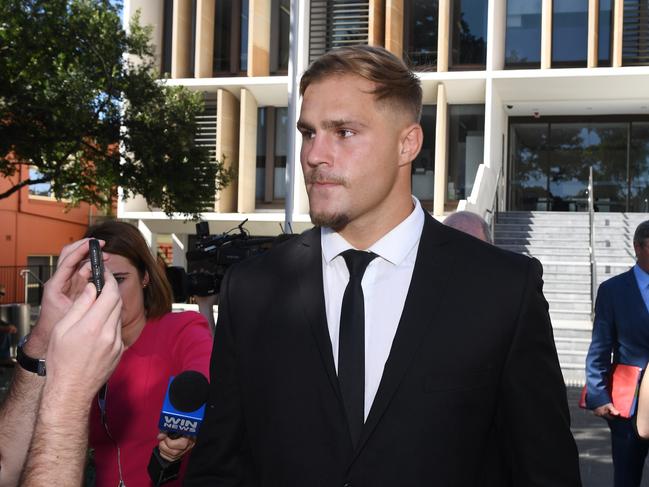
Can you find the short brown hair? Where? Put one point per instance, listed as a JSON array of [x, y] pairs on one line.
[[124, 239], [394, 81]]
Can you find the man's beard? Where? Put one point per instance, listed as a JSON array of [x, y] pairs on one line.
[[337, 221]]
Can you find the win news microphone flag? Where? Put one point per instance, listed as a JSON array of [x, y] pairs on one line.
[[182, 415]]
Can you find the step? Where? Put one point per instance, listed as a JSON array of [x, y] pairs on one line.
[[561, 278], [569, 305], [543, 229], [576, 345], [542, 250], [558, 259], [572, 328], [582, 287], [574, 295], [566, 269], [573, 358], [573, 376], [555, 241], [565, 314]]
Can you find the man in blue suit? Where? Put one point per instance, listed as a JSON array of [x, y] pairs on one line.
[[621, 327]]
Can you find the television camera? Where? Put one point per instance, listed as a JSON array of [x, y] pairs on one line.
[[211, 258]]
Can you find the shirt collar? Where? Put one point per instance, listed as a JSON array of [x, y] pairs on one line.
[[641, 277], [393, 246]]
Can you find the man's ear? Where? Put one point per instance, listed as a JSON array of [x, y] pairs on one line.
[[412, 137]]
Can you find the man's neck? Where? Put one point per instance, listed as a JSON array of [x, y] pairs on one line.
[[365, 232]]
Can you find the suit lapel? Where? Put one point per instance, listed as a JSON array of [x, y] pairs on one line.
[[309, 271], [427, 287]]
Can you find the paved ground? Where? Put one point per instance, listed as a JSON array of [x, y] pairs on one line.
[[592, 437], [590, 433]]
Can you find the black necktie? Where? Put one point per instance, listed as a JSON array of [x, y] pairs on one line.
[[351, 342]]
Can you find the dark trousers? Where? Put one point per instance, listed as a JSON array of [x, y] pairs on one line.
[[629, 453]]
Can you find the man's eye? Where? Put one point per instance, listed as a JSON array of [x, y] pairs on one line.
[[307, 134], [345, 133]]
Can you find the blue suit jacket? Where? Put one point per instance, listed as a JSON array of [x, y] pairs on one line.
[[621, 327]]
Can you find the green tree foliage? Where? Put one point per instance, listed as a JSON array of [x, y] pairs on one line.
[[80, 100]]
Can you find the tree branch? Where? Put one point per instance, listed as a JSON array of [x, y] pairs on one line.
[[22, 184]]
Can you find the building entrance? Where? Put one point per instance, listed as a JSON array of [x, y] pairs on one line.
[[549, 161]]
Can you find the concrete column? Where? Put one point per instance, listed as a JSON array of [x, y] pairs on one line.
[[618, 28], [377, 23], [300, 197], [150, 238], [259, 37], [247, 153], [443, 35], [227, 146], [593, 32], [496, 29], [180, 39], [179, 248], [441, 151], [394, 27], [204, 38], [546, 34]]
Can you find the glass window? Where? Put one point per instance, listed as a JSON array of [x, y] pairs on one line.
[[606, 150], [523, 36], [639, 168], [167, 29], [420, 32], [281, 132], [423, 167], [569, 32], [550, 164], [605, 28], [260, 172], [528, 186], [39, 189], [272, 132], [469, 33], [279, 36], [466, 149], [243, 41], [222, 34], [230, 54]]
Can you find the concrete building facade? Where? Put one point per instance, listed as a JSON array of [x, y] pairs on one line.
[[521, 98]]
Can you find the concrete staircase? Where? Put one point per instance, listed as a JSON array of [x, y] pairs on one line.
[[560, 240]]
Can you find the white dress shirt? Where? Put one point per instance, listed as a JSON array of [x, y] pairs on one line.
[[385, 286]]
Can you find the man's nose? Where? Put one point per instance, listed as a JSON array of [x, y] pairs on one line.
[[318, 150]]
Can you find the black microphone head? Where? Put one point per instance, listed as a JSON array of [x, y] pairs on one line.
[[188, 391]]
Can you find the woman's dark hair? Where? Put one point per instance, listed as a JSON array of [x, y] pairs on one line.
[[124, 239]]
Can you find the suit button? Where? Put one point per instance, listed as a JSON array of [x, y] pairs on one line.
[[347, 484]]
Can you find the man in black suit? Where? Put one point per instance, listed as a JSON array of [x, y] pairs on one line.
[[380, 348]]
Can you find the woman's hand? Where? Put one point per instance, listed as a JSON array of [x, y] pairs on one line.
[[174, 449]]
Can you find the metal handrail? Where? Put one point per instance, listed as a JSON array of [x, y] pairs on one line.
[[591, 246], [493, 211], [25, 273]]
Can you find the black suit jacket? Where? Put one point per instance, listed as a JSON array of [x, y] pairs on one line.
[[472, 379]]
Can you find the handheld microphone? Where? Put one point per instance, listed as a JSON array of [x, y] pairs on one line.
[[182, 415]]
